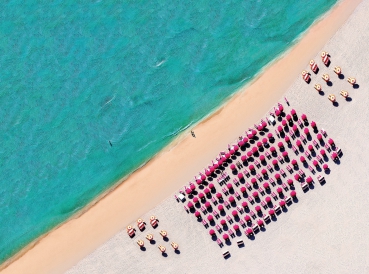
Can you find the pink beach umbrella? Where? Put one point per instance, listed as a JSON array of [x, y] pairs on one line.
[[228, 155], [325, 166], [279, 190], [219, 195], [271, 212], [310, 147], [268, 199], [287, 139], [315, 163], [309, 180], [306, 131], [277, 112], [280, 129], [297, 177], [257, 208], [247, 218], [262, 158], [203, 177], [319, 136], [234, 213], [282, 203], [211, 186], [294, 162], [236, 227], [251, 167], [275, 162], [298, 143], [322, 152], [266, 185], [240, 175], [290, 182], [197, 214], [231, 199], [206, 191], [259, 144], [254, 150], [270, 135], [303, 117], [313, 124], [243, 189], [190, 205], [265, 140], [210, 218], [293, 193], [294, 127], [330, 141], [211, 232], [249, 231], [284, 122], [241, 143], [260, 222], [334, 156], [250, 135], [254, 132], [255, 194], [277, 176], [233, 167], [220, 207], [253, 180], [302, 159], [249, 153], [264, 171], [280, 144], [244, 204], [192, 186], [195, 200], [272, 149], [284, 154], [188, 190], [201, 195], [222, 222], [207, 172], [207, 204], [245, 140], [280, 107], [293, 112], [243, 158], [232, 151], [229, 186], [288, 117]]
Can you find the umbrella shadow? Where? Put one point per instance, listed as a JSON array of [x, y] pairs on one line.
[[166, 239], [284, 209], [341, 76], [228, 242], [295, 200], [177, 251], [251, 237], [335, 104], [329, 83], [321, 93], [153, 242], [327, 171], [164, 254], [143, 248], [348, 99], [356, 86]]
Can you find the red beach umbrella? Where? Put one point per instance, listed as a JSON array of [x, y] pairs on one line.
[[306, 131], [268, 199], [287, 139], [289, 182], [240, 175], [222, 222], [293, 112], [258, 208], [315, 163], [263, 171], [284, 154], [302, 159], [195, 200], [211, 232], [279, 190], [282, 203], [210, 218], [266, 185], [265, 140], [219, 195], [325, 166], [244, 204], [310, 147], [303, 117], [271, 212], [243, 158], [294, 162], [229, 186], [207, 204], [260, 222], [197, 214], [288, 117], [255, 194], [220, 207], [322, 152], [234, 213], [293, 193], [247, 218], [243, 189], [297, 177], [319, 136], [275, 162], [262, 158], [313, 124], [277, 176], [236, 227], [225, 236], [231, 199], [253, 181], [233, 167]]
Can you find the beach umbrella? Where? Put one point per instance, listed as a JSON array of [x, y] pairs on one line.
[[211, 185], [303, 117], [243, 189], [236, 148], [241, 143], [211, 232], [197, 214], [266, 185], [247, 218], [258, 208], [272, 149], [262, 158], [192, 186], [263, 171], [279, 190], [265, 140], [306, 131], [233, 167], [293, 193], [309, 180], [234, 213], [198, 181], [190, 205], [287, 139], [210, 218], [188, 190], [244, 204], [280, 107], [270, 135], [251, 167], [330, 141], [325, 166], [249, 231], [253, 180], [302, 159], [260, 222], [334, 155], [259, 144], [280, 144], [282, 203], [294, 162], [218, 195], [268, 199], [280, 129], [215, 165], [271, 212], [195, 200], [201, 195], [207, 204], [284, 122], [236, 227], [288, 117], [297, 177], [232, 151], [240, 175], [250, 135], [275, 162], [207, 172], [277, 112], [310, 147], [293, 112], [249, 153], [245, 140], [228, 155], [254, 150], [315, 163], [222, 222], [225, 237], [231, 199], [220, 207], [211, 168], [243, 158], [202, 176], [206, 191], [254, 132], [289, 182], [313, 124], [319, 136], [294, 127], [255, 194], [284, 154], [260, 127], [277, 176], [229, 186], [264, 124]]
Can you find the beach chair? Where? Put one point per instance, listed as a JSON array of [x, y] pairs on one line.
[[257, 163], [205, 223], [321, 179], [186, 208], [246, 173], [282, 173], [242, 223], [231, 233], [311, 169], [252, 214], [225, 191], [266, 218], [264, 205], [239, 209], [226, 254], [277, 208], [214, 201], [251, 200], [288, 199], [327, 147], [216, 214], [301, 173], [259, 177], [276, 133], [303, 139], [175, 197], [261, 191], [240, 243], [269, 167], [218, 228], [338, 151], [289, 169], [322, 131], [255, 228], [315, 143], [236, 182], [280, 159], [267, 155], [292, 134], [284, 187], [248, 186], [238, 197], [307, 154], [320, 160], [203, 210], [274, 196], [295, 150], [300, 123], [304, 186], [219, 242], [229, 219], [271, 181], [226, 204]]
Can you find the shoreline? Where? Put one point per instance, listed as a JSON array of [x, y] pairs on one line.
[[69, 242]]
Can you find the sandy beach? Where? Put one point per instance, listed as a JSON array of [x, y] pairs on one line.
[[328, 224]]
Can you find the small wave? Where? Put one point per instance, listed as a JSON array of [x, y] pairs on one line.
[[175, 133], [160, 63]]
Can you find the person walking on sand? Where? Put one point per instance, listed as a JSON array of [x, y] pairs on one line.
[[193, 134]]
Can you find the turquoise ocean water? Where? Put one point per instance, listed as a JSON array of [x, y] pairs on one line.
[[137, 73]]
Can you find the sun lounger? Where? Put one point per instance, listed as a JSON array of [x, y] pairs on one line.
[[307, 154], [216, 214], [327, 147], [205, 223], [240, 209], [255, 227], [338, 151], [274, 196], [267, 155], [303, 139], [218, 228], [175, 197], [219, 242], [280, 159], [264, 205], [252, 214], [271, 181], [277, 208], [301, 173], [186, 208], [320, 160], [261, 191], [238, 197], [311, 169], [236, 182], [292, 134], [229, 219], [214, 201], [256, 162], [266, 218], [248, 186], [295, 150], [242, 223], [284, 186], [304, 186], [321, 179], [231, 233], [203, 210], [240, 243], [269, 167], [226, 254], [288, 199], [282, 173], [251, 200], [315, 144], [226, 204], [259, 177], [322, 131], [289, 169], [225, 191]]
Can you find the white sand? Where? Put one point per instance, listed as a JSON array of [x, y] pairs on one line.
[[326, 231]]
